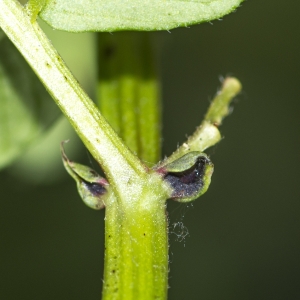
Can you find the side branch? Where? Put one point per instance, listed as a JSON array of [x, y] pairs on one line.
[[208, 134], [118, 163]]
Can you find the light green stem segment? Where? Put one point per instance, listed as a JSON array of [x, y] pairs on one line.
[[128, 91], [136, 255], [208, 134], [219, 107]]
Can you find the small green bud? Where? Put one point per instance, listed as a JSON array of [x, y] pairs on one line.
[[189, 176], [92, 188], [34, 7]]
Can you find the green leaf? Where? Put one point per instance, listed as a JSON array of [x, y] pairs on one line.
[[25, 106], [113, 15]]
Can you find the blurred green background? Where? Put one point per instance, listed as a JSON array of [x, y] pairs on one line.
[[238, 241]]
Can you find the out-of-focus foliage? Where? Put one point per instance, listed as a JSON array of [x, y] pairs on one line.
[[25, 106], [39, 161]]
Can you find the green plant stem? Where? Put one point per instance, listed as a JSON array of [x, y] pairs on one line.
[[149, 121], [108, 99], [118, 71], [136, 252], [128, 91]]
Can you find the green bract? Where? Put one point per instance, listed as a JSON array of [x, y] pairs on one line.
[[188, 176], [184, 163], [92, 188], [114, 15]]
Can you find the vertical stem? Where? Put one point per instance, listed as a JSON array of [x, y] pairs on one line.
[[128, 91], [149, 103], [108, 83], [136, 252], [136, 244], [129, 81]]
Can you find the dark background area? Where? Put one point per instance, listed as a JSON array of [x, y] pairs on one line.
[[238, 241]]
